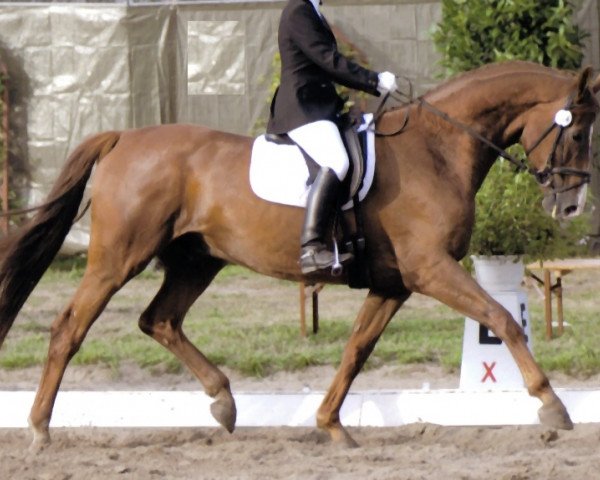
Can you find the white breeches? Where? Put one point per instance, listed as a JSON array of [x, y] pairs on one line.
[[323, 142]]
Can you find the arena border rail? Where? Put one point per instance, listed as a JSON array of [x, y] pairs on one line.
[[134, 409]]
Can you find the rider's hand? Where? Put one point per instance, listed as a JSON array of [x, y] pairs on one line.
[[387, 82]]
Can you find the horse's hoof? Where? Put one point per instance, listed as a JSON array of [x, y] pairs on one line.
[[38, 446], [555, 415], [340, 436], [41, 438], [40, 441], [223, 409]]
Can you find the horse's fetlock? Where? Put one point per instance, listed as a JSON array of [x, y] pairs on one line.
[[40, 424], [539, 386], [326, 420], [218, 386]]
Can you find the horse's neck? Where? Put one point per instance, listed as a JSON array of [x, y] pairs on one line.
[[495, 105]]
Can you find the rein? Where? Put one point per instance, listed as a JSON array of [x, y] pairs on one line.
[[543, 177]]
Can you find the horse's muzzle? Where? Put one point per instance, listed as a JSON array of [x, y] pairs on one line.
[[567, 204]]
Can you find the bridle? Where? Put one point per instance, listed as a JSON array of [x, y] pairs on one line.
[[562, 120]]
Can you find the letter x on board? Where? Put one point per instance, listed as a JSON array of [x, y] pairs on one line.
[[488, 372]]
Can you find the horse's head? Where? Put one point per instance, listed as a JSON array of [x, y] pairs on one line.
[[558, 138]]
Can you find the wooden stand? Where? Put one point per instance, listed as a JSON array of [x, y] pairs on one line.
[[313, 291], [559, 268]]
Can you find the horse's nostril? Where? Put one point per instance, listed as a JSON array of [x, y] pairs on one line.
[[570, 210]]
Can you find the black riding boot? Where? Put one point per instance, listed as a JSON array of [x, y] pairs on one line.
[[320, 205]]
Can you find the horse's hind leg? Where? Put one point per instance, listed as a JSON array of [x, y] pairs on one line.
[[114, 256], [372, 319], [162, 320], [66, 335]]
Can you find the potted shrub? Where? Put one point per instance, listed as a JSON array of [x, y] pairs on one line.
[[511, 225]]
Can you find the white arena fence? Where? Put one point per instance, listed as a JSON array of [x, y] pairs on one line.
[[361, 409]]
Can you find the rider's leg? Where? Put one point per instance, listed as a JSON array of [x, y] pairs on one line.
[[322, 141], [320, 206]]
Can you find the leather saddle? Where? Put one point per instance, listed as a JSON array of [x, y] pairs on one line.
[[356, 145]]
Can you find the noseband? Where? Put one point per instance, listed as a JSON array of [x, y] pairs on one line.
[[562, 120]]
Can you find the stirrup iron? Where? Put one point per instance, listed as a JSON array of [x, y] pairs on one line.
[[337, 268]]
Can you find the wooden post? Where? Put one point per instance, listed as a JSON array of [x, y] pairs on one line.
[[315, 310], [302, 309], [314, 291], [559, 304], [548, 303]]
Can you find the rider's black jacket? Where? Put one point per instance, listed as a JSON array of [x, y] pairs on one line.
[[310, 64]]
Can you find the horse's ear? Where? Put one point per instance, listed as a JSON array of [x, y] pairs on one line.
[[583, 80]]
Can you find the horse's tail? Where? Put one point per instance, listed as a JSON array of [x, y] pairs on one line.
[[27, 253]]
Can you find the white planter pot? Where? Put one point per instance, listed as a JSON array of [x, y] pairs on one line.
[[499, 273]]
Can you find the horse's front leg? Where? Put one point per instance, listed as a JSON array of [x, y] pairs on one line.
[[373, 317], [449, 283]]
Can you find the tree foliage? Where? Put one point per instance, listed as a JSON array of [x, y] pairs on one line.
[[476, 32]]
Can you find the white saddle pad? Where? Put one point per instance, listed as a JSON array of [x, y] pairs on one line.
[[278, 173]]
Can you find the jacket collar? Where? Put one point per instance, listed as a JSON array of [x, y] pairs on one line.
[[315, 4]]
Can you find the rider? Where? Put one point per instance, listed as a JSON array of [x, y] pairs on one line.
[[305, 107]]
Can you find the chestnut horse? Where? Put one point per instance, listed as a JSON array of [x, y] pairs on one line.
[[181, 193]]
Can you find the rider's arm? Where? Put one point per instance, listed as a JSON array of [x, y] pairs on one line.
[[309, 34]]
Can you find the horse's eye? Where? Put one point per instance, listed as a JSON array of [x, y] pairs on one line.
[[577, 137]]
